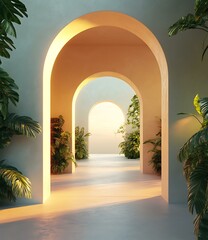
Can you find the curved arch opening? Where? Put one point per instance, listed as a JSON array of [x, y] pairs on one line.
[[114, 62], [104, 120]]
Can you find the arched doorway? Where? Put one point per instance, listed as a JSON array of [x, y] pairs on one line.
[[72, 58], [105, 118]]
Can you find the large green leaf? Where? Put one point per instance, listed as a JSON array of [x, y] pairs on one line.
[[201, 8], [201, 226], [189, 148], [185, 23], [22, 125], [11, 11], [197, 188], [13, 183], [8, 92]]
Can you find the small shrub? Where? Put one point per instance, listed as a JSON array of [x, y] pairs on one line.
[[156, 150], [60, 148], [130, 146], [81, 148]]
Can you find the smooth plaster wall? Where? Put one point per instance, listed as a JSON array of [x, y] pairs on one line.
[[101, 90], [75, 63], [187, 74]]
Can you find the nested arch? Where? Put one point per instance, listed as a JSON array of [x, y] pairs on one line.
[[64, 60]]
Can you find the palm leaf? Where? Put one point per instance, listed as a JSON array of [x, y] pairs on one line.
[[185, 23], [203, 103], [198, 139], [197, 188], [201, 226], [201, 8], [13, 183], [22, 125], [7, 92], [10, 12]]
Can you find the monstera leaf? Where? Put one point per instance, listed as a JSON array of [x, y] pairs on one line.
[[10, 12]]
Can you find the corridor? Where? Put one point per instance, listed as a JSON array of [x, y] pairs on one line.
[[106, 199]]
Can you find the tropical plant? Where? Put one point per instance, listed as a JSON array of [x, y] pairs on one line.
[[194, 153], [13, 183], [130, 131], [81, 146], [130, 146], [60, 146], [198, 20], [156, 150], [11, 11]]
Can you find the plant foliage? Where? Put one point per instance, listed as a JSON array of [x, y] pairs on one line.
[[11, 12], [81, 147], [156, 150], [130, 146], [12, 183], [60, 146], [198, 20], [194, 155], [130, 131]]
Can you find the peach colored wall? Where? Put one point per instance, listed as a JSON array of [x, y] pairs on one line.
[[76, 63]]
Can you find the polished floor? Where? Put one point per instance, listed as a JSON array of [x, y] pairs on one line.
[[106, 199]]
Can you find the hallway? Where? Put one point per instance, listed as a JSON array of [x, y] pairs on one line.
[[106, 199]]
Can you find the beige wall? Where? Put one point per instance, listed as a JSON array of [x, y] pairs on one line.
[[36, 50], [99, 90], [74, 64]]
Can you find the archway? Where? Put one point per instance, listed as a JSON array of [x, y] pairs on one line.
[[135, 36], [105, 118]]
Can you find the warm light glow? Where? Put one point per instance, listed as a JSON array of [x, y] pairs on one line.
[[104, 120], [89, 188], [86, 22]]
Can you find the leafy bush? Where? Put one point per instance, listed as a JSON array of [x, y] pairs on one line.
[[130, 146], [194, 153], [81, 147], [156, 150], [13, 183], [60, 148]]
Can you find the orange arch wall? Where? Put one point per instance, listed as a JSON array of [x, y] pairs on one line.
[[68, 65]]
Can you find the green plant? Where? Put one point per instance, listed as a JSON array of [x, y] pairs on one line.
[[81, 147], [130, 131], [198, 20], [60, 146], [130, 146], [194, 155], [156, 150], [13, 183]]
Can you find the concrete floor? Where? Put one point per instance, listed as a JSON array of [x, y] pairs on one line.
[[106, 199]]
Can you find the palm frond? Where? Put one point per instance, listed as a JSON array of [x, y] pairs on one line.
[[201, 226], [201, 8], [187, 22], [13, 183], [10, 12], [8, 92], [198, 139], [22, 125], [197, 188]]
